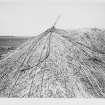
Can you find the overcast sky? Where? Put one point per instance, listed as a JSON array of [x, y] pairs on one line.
[[19, 17]]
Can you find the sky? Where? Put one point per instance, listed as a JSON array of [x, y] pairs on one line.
[[28, 17]]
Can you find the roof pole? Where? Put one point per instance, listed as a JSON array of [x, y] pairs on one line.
[[53, 26]]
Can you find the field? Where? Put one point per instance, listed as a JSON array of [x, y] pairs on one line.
[[8, 43]]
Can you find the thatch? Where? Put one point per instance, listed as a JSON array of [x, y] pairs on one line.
[[56, 63]]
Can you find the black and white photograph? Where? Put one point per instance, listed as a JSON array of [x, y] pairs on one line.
[[52, 49]]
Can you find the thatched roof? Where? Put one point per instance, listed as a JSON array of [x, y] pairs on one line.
[[56, 63]]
